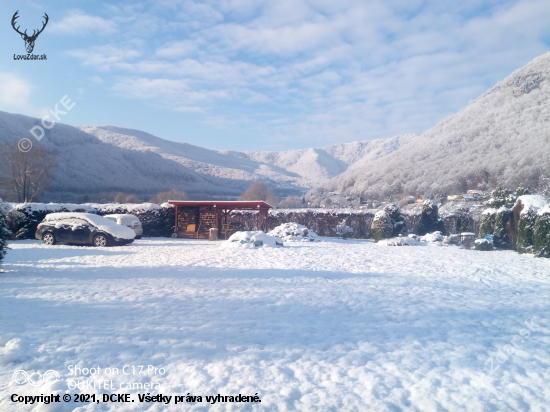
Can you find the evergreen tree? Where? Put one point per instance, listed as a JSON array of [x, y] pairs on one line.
[[487, 226], [398, 221], [430, 221], [4, 233], [526, 231], [501, 238], [382, 227], [541, 237]]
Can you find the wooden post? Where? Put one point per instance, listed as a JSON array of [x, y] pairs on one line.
[[260, 219]]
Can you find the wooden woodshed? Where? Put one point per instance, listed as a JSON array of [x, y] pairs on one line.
[[194, 219]]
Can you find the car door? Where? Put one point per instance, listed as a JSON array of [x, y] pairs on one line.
[[63, 230], [81, 231]]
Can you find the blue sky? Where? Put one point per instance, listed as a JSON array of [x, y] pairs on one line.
[[266, 75]]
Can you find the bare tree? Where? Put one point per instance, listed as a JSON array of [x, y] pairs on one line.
[[291, 202], [173, 194], [25, 174], [271, 198], [120, 198], [259, 191]]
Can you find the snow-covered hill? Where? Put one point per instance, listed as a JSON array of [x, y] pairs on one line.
[[93, 159], [501, 137]]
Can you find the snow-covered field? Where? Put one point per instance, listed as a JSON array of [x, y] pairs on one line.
[[329, 326]]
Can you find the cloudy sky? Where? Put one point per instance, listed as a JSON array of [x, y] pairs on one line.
[[266, 75]]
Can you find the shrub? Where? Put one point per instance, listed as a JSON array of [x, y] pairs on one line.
[[399, 223], [541, 237], [382, 227], [430, 220], [487, 226], [501, 238], [4, 233], [484, 245]]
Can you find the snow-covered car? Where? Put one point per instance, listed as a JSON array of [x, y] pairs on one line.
[[82, 229], [130, 221]]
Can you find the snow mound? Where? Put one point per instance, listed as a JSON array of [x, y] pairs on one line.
[[432, 237], [399, 241], [15, 351], [118, 231], [252, 240], [294, 232]]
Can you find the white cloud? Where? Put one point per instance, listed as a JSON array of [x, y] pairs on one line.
[[14, 90], [79, 23], [321, 71]]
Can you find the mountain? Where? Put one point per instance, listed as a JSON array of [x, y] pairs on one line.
[[94, 159], [502, 137]]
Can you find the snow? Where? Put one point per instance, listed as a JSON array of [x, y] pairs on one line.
[[294, 232], [544, 211], [106, 225], [318, 326], [535, 202], [490, 211], [252, 240], [432, 237], [400, 241]]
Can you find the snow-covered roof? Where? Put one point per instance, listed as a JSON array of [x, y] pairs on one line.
[[118, 231]]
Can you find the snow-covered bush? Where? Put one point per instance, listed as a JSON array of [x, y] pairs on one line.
[[382, 227], [501, 231], [430, 220], [542, 233], [483, 244], [505, 197], [397, 219], [453, 239], [342, 229], [432, 237], [4, 233], [294, 232], [252, 240], [527, 208], [399, 241]]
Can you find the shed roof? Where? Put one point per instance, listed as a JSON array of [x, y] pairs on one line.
[[224, 204]]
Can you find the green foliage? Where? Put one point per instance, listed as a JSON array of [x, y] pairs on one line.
[[505, 197], [430, 221], [487, 226], [4, 233], [501, 238], [399, 223], [526, 231], [382, 227], [542, 235]]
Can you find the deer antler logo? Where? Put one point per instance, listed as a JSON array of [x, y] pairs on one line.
[[29, 40]]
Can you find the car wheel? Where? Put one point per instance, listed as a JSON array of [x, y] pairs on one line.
[[48, 239], [100, 241]]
